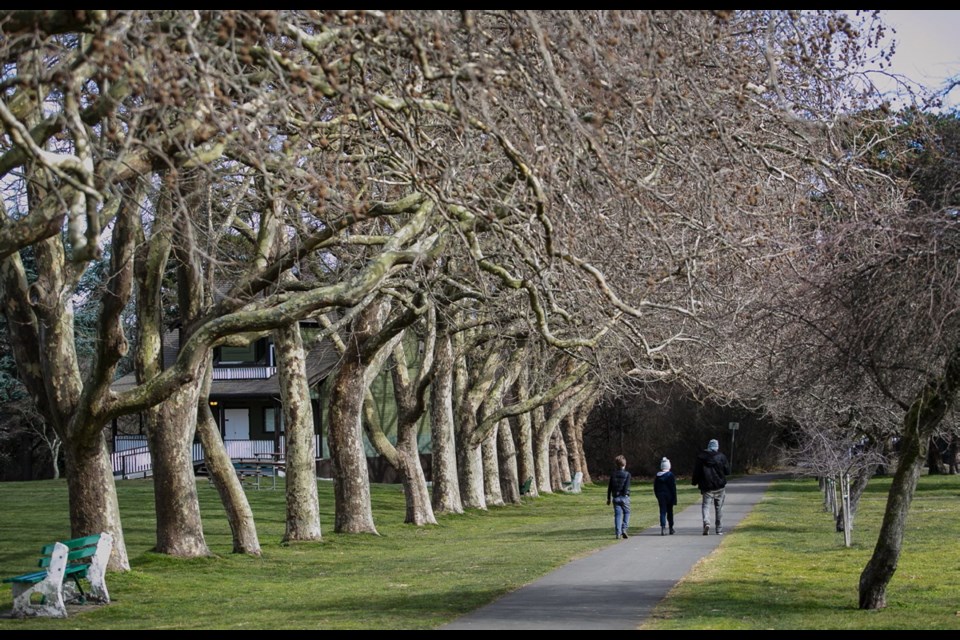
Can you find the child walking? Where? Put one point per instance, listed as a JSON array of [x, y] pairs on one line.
[[618, 491], [665, 488]]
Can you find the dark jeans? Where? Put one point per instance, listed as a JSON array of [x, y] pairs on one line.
[[666, 511]]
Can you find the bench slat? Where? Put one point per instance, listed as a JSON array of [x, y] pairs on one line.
[[81, 548], [79, 554], [75, 543], [36, 576]]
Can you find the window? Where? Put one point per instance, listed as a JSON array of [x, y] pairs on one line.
[[237, 355], [254, 353], [271, 417]]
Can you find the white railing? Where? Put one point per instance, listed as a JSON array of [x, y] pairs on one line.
[[122, 443], [243, 373], [133, 461]]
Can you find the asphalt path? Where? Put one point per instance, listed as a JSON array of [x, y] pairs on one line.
[[618, 586]]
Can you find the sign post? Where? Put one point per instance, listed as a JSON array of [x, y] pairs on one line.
[[733, 434]]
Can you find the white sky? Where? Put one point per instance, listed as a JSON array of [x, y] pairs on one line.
[[928, 47]]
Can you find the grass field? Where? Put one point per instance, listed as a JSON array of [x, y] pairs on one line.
[[405, 578], [785, 567]]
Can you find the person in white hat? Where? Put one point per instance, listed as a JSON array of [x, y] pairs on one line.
[[665, 488]]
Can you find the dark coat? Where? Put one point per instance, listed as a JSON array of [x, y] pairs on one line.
[[619, 484], [665, 487], [710, 471]]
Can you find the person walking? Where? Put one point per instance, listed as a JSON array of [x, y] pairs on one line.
[[618, 491], [710, 473], [665, 488]]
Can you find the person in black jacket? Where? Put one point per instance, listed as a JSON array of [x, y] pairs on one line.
[[710, 473], [665, 488], [619, 492]]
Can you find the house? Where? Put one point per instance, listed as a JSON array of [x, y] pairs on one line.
[[245, 401], [244, 398]]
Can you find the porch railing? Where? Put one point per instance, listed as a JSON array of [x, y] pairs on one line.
[[132, 458], [243, 373]]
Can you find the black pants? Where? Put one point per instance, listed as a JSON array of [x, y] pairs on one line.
[[666, 511]]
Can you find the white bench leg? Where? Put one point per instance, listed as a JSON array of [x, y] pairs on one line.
[[96, 574], [51, 588]]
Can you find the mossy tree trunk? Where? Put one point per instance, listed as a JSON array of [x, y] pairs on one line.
[[303, 502], [236, 506], [507, 456], [922, 419], [446, 485], [410, 393]]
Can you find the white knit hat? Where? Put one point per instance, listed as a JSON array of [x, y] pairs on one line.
[[665, 464]]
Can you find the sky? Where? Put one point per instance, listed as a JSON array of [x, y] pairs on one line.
[[928, 47]]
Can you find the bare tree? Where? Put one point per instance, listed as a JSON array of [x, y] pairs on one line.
[[591, 176], [844, 331]]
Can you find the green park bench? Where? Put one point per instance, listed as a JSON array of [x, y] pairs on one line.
[[525, 487], [77, 559]]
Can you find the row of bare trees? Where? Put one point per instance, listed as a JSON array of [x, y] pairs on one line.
[[552, 206]]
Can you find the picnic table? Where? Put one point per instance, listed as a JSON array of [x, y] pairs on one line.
[[259, 467]]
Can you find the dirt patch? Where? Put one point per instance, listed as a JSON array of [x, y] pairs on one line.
[[72, 610]]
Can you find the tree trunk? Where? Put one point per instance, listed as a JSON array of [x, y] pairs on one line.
[[93, 496], [220, 468], [404, 457], [572, 446], [410, 393], [419, 506], [470, 466], [507, 455], [563, 457], [580, 421], [924, 416], [170, 430], [446, 485], [419, 509], [55, 457], [40, 319], [858, 484], [491, 470], [526, 466], [171, 425], [886, 554], [351, 478], [541, 452], [303, 503], [351, 481], [479, 381], [554, 453]]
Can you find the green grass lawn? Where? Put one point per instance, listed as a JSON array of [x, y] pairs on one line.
[[783, 568], [787, 568], [405, 578]]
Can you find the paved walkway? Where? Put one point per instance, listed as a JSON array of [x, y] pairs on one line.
[[617, 587]]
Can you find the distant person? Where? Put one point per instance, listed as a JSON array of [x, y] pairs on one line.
[[710, 475], [619, 492], [665, 488]]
